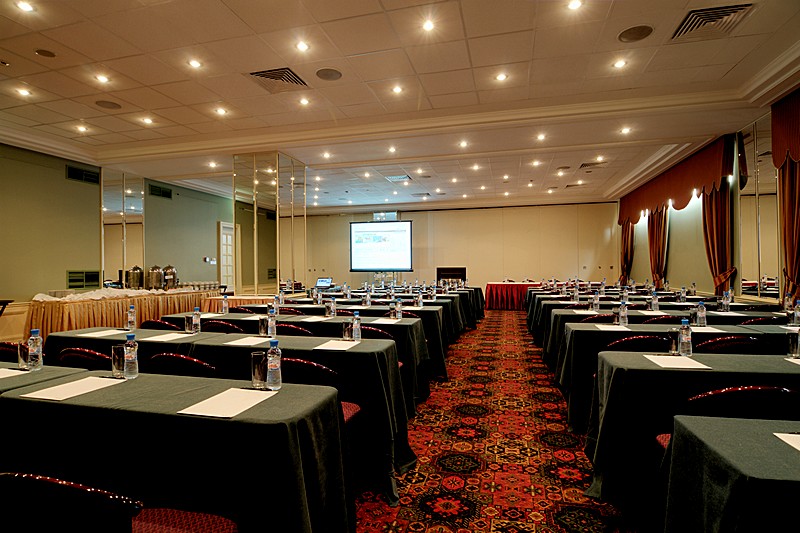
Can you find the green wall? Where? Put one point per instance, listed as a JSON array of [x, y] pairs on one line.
[[48, 224], [181, 231]]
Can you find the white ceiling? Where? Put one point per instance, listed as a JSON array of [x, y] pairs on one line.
[[674, 94]]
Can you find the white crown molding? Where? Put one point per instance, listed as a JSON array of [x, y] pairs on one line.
[[776, 78], [44, 143]]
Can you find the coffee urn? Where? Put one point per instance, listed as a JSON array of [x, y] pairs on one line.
[[133, 278], [170, 277], [154, 278]]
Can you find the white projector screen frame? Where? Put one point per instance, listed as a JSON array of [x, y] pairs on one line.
[[381, 246]]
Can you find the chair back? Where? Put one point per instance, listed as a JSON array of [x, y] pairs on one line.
[[640, 343], [306, 372], [238, 309], [175, 364], [747, 401], [281, 328], [636, 306], [765, 320], [291, 311], [731, 344], [83, 358], [602, 317], [344, 312], [370, 332], [8, 351], [663, 319], [159, 324], [220, 326]]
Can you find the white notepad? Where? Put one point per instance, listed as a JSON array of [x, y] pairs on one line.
[[705, 329], [10, 373], [315, 319], [611, 327], [645, 312], [791, 328], [248, 341], [791, 360], [210, 315], [791, 439], [676, 361], [229, 403], [74, 388], [726, 313], [167, 337], [336, 345], [412, 308], [386, 321], [252, 317], [584, 312], [103, 333]]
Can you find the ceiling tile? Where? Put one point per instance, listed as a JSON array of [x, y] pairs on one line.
[[245, 123], [61, 132], [72, 109], [96, 8], [501, 49], [683, 55], [503, 95], [446, 17], [26, 45], [352, 94], [262, 105], [72, 126], [439, 57], [325, 10], [486, 77], [37, 114], [271, 15], [558, 15], [17, 65], [183, 115], [87, 74], [89, 140], [146, 69], [449, 82], [400, 4], [211, 127], [10, 28], [737, 48], [383, 89], [10, 86], [360, 35], [363, 110], [551, 42], [176, 131], [92, 40], [145, 135], [382, 65], [454, 100], [112, 138], [408, 105], [51, 14], [561, 70], [284, 42], [188, 92], [6, 118], [245, 54], [150, 28], [114, 124], [601, 65], [490, 18], [145, 97], [92, 100], [59, 84], [323, 116], [232, 86]]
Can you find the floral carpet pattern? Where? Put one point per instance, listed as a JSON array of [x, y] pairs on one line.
[[494, 452]]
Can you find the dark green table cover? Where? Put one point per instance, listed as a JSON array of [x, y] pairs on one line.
[[24, 378], [275, 467]]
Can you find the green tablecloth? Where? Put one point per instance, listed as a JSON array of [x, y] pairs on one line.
[[24, 378], [275, 467]]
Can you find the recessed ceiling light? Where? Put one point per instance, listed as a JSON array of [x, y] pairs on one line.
[[255, 182], [147, 120], [25, 6], [625, 131], [438, 189], [221, 111], [326, 155], [101, 78], [580, 182], [463, 144], [385, 199], [394, 192], [24, 92], [349, 201], [600, 158], [304, 101], [560, 173], [475, 166], [501, 77], [424, 198], [549, 191], [82, 129], [315, 203], [392, 149], [483, 187], [505, 177], [463, 196], [366, 174], [505, 193], [574, 4], [530, 184], [619, 64], [195, 63], [317, 178], [540, 137], [427, 25], [405, 184], [316, 197], [213, 164], [302, 46], [397, 89], [454, 180], [536, 163], [419, 171]]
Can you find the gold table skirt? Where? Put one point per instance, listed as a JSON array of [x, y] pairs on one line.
[[64, 315]]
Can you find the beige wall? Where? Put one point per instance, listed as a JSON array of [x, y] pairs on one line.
[[768, 222], [517, 243], [112, 250]]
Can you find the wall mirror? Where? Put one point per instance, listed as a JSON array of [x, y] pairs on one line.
[[123, 224], [292, 193], [760, 253]]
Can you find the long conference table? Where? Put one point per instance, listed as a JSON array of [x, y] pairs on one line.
[[276, 465], [508, 295], [369, 369], [635, 399]]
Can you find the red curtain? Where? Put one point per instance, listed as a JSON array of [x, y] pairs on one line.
[[626, 252], [657, 228], [717, 236], [786, 158]]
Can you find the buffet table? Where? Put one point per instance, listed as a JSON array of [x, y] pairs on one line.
[[108, 307], [507, 295]]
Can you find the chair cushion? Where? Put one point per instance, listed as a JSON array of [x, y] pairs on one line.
[[663, 440], [164, 520], [350, 410]]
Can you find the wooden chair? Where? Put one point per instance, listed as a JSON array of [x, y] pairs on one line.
[[159, 324], [175, 364], [220, 326], [83, 358]]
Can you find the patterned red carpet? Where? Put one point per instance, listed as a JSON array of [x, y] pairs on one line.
[[494, 452]]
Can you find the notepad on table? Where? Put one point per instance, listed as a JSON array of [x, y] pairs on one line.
[[705, 329], [229, 403], [584, 312], [645, 312], [336, 345], [73, 388], [676, 361], [248, 341], [10, 373], [210, 315], [726, 313], [166, 337], [793, 360], [792, 439], [315, 319], [611, 327], [386, 321], [103, 333]]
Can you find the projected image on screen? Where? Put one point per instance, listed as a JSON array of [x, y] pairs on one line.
[[380, 246]]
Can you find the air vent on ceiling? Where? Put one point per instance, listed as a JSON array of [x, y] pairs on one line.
[[80, 174], [592, 164], [421, 194], [162, 192], [398, 179], [711, 23], [570, 185], [279, 80]]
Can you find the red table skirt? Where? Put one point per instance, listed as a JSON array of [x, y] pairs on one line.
[[509, 296]]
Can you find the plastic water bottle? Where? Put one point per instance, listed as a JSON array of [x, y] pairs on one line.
[[333, 306], [576, 293], [418, 302], [603, 287], [398, 308], [701, 315], [787, 302], [623, 314], [726, 301], [683, 294], [131, 369], [796, 313], [274, 381], [367, 299], [625, 294], [685, 339], [196, 321], [271, 329], [34, 361], [131, 323], [654, 302], [596, 302], [225, 304], [693, 289], [356, 326], [666, 285], [281, 297]]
